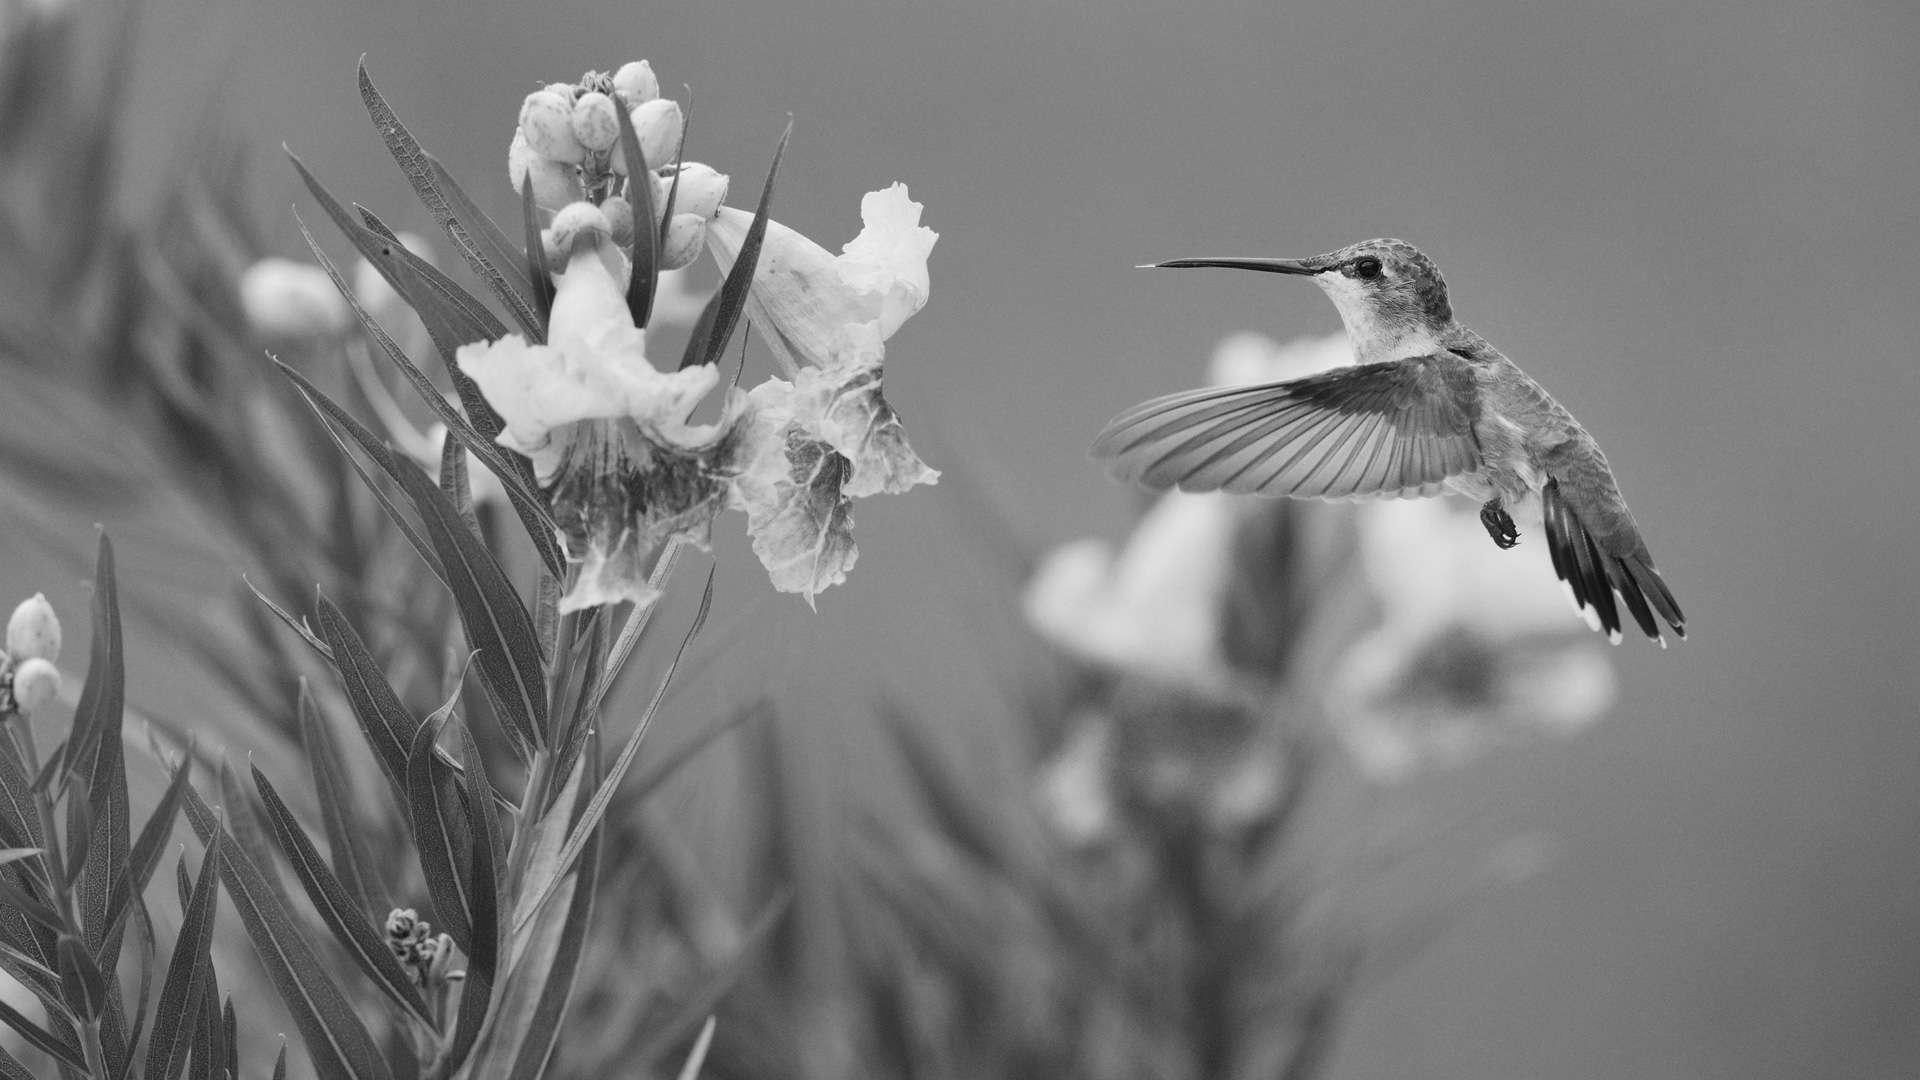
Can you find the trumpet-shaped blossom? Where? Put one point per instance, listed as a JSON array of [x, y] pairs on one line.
[[1475, 646], [828, 435], [607, 432]]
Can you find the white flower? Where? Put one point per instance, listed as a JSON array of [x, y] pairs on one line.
[[809, 303], [33, 631], [608, 434], [293, 303], [1154, 608], [1475, 647], [829, 435]]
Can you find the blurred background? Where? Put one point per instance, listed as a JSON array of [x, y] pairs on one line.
[[1695, 223]]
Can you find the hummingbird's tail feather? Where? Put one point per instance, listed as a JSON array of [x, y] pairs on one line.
[[1595, 575], [1394, 428]]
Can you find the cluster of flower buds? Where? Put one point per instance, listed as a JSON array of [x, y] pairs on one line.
[[568, 148], [427, 955], [28, 679]]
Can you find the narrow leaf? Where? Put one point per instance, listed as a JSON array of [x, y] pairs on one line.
[[603, 796], [441, 834], [353, 863], [336, 1039], [489, 240], [497, 624], [41, 1039], [717, 320], [697, 1057], [644, 252], [427, 177], [182, 992], [350, 925], [537, 268]]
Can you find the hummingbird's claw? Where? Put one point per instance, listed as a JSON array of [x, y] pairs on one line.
[[1499, 525]]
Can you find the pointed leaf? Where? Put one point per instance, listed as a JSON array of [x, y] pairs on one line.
[[535, 1018], [441, 834], [697, 1057], [182, 994], [489, 239], [340, 426], [10, 1067], [644, 251], [483, 894], [147, 850], [41, 1039], [453, 481], [336, 1039], [80, 978], [425, 175], [497, 624], [715, 328], [476, 430], [299, 626], [353, 863], [537, 269], [350, 925], [597, 806]]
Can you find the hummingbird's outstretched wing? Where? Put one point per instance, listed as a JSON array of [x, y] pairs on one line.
[[1397, 427], [1597, 550]]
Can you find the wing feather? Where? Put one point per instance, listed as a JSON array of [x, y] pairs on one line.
[[1390, 428], [1598, 567]]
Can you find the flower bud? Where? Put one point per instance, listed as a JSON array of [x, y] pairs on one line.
[[575, 223], [554, 184], [293, 302], [595, 123], [439, 953], [35, 684], [619, 214], [34, 631], [546, 118], [658, 124], [400, 923], [685, 237], [702, 190], [636, 83]]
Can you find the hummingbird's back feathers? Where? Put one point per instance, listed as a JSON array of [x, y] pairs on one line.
[[1393, 428], [1598, 565]]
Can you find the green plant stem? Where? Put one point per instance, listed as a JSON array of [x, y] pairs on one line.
[[90, 1046]]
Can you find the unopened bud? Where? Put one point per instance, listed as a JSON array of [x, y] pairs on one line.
[[546, 118], [400, 923], [34, 631], [555, 184], [579, 222], [35, 684], [595, 123], [702, 189], [658, 124], [685, 237], [439, 953], [636, 83], [619, 218], [289, 301]]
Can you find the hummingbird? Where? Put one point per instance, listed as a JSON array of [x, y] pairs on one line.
[[1428, 408]]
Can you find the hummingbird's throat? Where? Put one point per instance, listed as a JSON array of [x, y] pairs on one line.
[[1377, 328]]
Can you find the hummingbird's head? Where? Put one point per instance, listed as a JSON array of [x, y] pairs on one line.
[[1390, 296]]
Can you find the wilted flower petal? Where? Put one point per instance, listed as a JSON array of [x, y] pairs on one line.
[[810, 303], [791, 488]]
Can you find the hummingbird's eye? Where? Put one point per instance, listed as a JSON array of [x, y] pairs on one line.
[[1367, 267]]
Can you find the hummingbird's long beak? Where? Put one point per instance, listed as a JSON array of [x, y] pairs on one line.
[[1269, 266]]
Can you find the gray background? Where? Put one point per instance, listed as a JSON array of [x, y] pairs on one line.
[[1694, 222]]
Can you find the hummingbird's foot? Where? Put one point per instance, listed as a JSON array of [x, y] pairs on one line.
[[1499, 524]]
